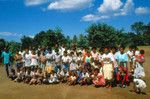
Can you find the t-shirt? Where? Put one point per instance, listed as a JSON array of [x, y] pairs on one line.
[[140, 83], [130, 53], [122, 57], [107, 58], [73, 66], [6, 57]]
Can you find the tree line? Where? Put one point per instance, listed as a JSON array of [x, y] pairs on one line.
[[98, 35]]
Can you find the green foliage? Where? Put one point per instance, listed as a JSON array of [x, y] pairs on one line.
[[26, 42], [98, 35], [102, 34]]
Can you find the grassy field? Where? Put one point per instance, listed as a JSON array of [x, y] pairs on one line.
[[12, 90]]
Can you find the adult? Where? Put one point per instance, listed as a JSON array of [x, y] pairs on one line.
[[6, 56]]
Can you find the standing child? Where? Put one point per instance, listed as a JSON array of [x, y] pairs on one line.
[[122, 59], [108, 66], [139, 70]]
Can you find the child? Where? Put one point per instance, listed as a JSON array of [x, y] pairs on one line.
[[85, 78], [63, 76], [53, 78], [43, 60], [46, 78], [139, 70], [20, 74], [94, 53], [73, 66], [122, 75], [27, 76], [108, 66], [12, 74], [72, 80], [139, 86], [39, 76], [130, 56], [65, 61], [34, 76], [98, 79], [34, 59]]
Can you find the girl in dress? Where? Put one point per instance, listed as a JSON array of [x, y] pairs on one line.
[[139, 70], [108, 66], [27, 58], [34, 59]]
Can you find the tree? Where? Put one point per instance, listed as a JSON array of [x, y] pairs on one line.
[[82, 41], [75, 40], [14, 47], [26, 42], [102, 34], [137, 28]]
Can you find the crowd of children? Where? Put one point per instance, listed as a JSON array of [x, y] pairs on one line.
[[105, 67]]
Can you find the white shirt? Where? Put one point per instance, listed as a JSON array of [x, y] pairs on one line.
[[130, 53], [65, 59], [140, 83], [73, 66], [108, 56], [27, 59], [94, 55], [34, 60], [84, 75]]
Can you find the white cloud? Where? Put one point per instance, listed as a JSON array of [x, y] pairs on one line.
[[31, 36], [92, 17], [142, 10], [127, 9], [10, 34], [110, 6], [69, 4], [35, 2]]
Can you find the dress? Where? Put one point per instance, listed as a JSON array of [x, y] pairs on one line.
[[139, 70], [27, 60], [108, 66]]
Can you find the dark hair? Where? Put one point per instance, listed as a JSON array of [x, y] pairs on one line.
[[142, 51], [122, 46]]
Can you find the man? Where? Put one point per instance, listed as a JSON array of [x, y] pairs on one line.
[[6, 56]]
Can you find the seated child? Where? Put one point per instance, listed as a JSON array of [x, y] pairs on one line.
[[27, 76], [19, 77], [12, 74], [46, 78], [39, 76], [53, 78], [139, 85], [63, 76], [34, 77], [98, 79], [85, 78], [72, 80]]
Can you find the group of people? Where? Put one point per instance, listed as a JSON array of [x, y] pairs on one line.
[[101, 67]]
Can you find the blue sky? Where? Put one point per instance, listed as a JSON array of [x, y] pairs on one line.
[[28, 17]]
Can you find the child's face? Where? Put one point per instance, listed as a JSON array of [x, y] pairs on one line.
[[106, 50], [122, 50]]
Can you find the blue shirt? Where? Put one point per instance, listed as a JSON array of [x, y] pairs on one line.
[[6, 57], [122, 57]]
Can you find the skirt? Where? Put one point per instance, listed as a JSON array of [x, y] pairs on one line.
[[139, 71], [108, 71]]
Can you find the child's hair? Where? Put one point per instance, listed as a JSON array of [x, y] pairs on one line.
[[142, 51]]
